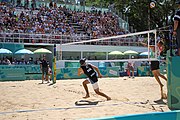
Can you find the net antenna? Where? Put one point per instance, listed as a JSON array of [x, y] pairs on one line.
[[149, 36]]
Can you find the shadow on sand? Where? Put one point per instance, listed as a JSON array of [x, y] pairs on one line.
[[86, 102], [160, 101]]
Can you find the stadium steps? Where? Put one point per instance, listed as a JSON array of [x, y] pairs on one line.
[[76, 26]]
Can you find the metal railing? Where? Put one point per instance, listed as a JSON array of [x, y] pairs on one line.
[[61, 39]]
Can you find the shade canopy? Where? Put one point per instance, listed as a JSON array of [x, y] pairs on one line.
[[115, 53], [130, 52], [144, 54], [5, 51], [24, 51], [42, 51]]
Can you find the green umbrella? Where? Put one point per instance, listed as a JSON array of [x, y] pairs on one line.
[[115, 53], [130, 52], [42, 51]]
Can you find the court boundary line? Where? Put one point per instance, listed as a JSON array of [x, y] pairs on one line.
[[84, 106]]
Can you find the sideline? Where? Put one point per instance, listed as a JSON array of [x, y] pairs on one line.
[[138, 104]]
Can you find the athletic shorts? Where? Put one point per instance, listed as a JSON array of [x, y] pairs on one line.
[[131, 68], [95, 85], [154, 65], [45, 70]]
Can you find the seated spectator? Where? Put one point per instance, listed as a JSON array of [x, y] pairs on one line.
[[38, 61], [7, 61], [30, 61]]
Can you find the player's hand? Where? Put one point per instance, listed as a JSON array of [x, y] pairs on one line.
[[80, 71], [100, 76], [174, 33]]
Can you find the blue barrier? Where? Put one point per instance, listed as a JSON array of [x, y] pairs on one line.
[[171, 115]]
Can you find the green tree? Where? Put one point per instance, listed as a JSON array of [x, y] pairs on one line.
[[139, 12]]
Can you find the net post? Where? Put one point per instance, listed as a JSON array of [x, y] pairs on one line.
[[54, 65], [155, 37]]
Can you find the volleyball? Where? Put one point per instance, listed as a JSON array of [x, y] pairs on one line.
[[152, 4]]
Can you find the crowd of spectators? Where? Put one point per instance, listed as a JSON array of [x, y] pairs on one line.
[[57, 20], [98, 24], [22, 61]]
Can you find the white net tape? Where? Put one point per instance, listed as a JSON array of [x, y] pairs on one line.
[[147, 38]]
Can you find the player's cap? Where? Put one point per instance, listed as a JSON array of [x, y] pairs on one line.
[[82, 61]]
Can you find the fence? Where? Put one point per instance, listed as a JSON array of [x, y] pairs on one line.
[[61, 39]]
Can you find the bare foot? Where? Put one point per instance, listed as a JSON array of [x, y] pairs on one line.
[[108, 98], [163, 96], [86, 96], [161, 86]]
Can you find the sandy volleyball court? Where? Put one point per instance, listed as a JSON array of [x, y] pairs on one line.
[[29, 100]]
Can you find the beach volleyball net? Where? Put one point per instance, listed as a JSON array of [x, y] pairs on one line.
[[125, 47]]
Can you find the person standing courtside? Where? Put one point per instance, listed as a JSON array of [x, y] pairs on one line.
[[176, 29], [130, 67], [44, 69]]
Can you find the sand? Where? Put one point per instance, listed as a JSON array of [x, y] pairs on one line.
[[30, 100]]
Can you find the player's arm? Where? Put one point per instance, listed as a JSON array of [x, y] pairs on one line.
[[41, 66], [146, 45], [80, 71], [176, 22], [97, 70]]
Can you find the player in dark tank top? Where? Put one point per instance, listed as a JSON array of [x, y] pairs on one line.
[[91, 72]]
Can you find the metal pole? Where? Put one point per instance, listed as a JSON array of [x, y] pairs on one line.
[[149, 18], [54, 65]]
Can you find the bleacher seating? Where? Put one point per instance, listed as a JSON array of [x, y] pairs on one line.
[[50, 24]]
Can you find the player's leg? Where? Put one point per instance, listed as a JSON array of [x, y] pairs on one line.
[[96, 89], [50, 76], [155, 73], [86, 88], [163, 95], [47, 76], [132, 71], [129, 72], [43, 75], [161, 75]]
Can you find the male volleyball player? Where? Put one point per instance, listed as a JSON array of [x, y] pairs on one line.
[[90, 71], [155, 67]]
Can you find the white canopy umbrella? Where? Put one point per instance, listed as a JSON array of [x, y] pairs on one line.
[[115, 53], [144, 54], [5, 51], [24, 51], [130, 52], [42, 51]]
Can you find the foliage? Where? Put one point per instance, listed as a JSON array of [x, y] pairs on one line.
[[139, 13]]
